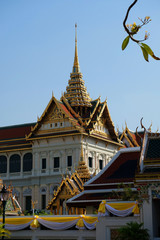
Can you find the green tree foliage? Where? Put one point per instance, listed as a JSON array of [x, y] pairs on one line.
[[133, 231]]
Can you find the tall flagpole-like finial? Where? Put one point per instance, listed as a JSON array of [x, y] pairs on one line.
[[76, 67], [75, 32]]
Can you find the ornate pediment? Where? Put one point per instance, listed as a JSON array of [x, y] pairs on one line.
[[55, 114], [55, 119], [101, 128]]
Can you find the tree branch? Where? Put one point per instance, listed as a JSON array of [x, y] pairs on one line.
[[124, 22]]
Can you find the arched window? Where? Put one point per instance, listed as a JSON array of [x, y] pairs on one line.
[[27, 162], [3, 164], [14, 163]]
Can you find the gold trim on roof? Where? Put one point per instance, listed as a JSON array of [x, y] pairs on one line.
[[132, 141], [14, 150], [70, 184], [78, 180], [53, 136], [15, 145], [12, 140], [63, 99], [106, 139], [91, 115], [129, 141]]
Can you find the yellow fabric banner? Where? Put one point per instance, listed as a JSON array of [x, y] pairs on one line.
[[118, 206], [121, 205], [59, 219], [17, 220]]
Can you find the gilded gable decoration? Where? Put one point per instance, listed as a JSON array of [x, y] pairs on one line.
[[57, 114]]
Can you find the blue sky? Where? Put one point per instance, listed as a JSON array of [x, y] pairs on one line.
[[37, 53]]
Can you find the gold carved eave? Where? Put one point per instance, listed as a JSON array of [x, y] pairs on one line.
[[134, 141], [107, 140], [122, 135], [16, 149], [12, 140], [71, 110], [101, 111], [17, 145], [57, 136], [90, 118], [101, 133], [57, 130], [125, 135]]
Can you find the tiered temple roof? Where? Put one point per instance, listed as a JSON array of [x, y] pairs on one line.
[[68, 188], [85, 116], [82, 169], [76, 92]]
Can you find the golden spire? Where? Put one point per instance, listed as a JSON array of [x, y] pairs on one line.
[[82, 169], [76, 92], [76, 67]]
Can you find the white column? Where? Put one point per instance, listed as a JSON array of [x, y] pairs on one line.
[[147, 216], [37, 156], [48, 162], [102, 232], [51, 162]]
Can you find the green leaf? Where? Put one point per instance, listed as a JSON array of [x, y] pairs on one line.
[[145, 53], [148, 49], [125, 43]]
